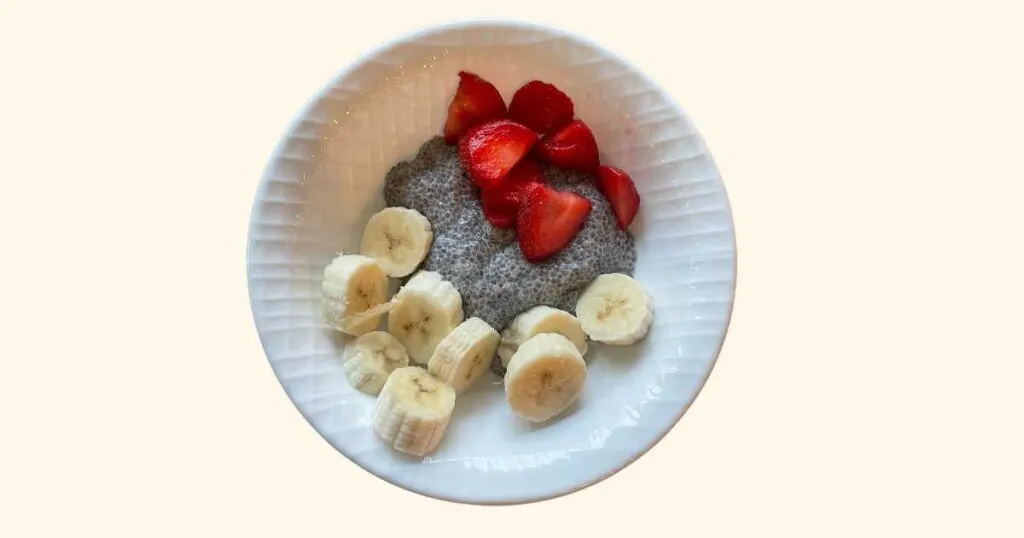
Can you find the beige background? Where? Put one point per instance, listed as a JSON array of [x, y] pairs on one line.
[[870, 384]]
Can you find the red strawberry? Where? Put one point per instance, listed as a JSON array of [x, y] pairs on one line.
[[548, 220], [541, 107], [500, 203], [475, 101], [616, 185], [572, 147], [489, 150]]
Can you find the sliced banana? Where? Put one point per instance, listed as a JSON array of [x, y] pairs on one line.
[[413, 410], [428, 308], [353, 284], [370, 359], [545, 376], [464, 354], [537, 320], [615, 309], [399, 239]]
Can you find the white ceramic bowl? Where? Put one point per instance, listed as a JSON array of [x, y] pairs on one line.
[[324, 181]]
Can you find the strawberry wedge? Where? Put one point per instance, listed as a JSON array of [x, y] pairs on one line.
[[548, 220], [541, 107], [500, 203], [476, 101], [572, 147], [490, 150], [620, 191]]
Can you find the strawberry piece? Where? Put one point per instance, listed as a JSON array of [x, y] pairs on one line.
[[541, 107], [475, 102], [573, 147], [548, 220], [500, 203], [489, 151], [620, 191]]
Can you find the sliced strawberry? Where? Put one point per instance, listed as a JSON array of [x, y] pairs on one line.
[[616, 185], [475, 102], [490, 150], [548, 220], [541, 107], [573, 147], [500, 203]]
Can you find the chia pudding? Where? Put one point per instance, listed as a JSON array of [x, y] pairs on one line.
[[485, 263]]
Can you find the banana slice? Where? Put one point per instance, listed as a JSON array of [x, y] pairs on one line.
[[353, 284], [370, 359], [464, 355], [537, 320], [413, 411], [545, 376], [398, 238], [616, 310], [428, 308]]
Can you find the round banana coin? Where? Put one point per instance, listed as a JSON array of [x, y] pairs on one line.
[[427, 309], [463, 356], [545, 376], [616, 310], [399, 238], [353, 284], [413, 410]]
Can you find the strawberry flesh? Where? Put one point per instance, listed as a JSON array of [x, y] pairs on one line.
[[620, 191], [548, 220], [573, 147], [490, 150], [500, 203], [541, 107], [475, 102]]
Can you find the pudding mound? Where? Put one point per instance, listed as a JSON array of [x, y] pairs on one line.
[[483, 262]]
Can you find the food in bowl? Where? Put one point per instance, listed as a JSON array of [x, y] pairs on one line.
[[514, 240], [484, 260]]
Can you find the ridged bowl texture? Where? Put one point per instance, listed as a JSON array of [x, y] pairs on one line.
[[324, 181]]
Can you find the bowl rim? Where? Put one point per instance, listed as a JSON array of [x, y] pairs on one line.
[[421, 31]]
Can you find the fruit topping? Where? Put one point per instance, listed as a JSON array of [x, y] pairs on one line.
[[490, 150], [500, 203], [573, 147], [541, 107], [548, 220], [615, 310], [616, 186], [475, 102]]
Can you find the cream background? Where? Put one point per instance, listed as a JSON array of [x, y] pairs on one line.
[[870, 383]]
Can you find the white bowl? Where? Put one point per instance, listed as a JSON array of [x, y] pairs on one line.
[[324, 181]]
